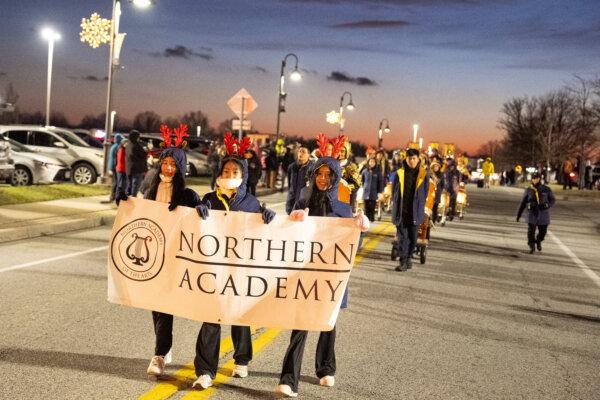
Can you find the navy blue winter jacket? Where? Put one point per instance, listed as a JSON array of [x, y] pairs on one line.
[[297, 176], [537, 204], [418, 201], [373, 182], [242, 201]]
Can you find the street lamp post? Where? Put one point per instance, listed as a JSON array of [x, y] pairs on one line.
[[51, 36], [382, 130], [415, 132], [349, 107], [109, 120], [295, 76]]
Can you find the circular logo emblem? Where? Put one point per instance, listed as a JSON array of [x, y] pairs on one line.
[[138, 250]]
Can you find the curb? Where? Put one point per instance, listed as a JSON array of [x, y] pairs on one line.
[[56, 225]]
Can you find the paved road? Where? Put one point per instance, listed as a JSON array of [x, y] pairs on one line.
[[482, 319]]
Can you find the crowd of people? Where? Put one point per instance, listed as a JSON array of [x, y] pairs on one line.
[[322, 182]]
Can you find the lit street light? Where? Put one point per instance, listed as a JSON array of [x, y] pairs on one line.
[[51, 36], [415, 132], [294, 76], [382, 130], [96, 31], [349, 107]]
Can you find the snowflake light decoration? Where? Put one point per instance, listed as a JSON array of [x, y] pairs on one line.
[[95, 30], [333, 117]]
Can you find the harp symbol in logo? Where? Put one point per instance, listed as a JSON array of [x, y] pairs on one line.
[[138, 249], [135, 250]]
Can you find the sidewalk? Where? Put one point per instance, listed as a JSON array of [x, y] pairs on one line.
[[25, 221]]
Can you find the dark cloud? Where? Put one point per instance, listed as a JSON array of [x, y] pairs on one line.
[[2, 73], [259, 69], [338, 76], [186, 53], [93, 78], [371, 24]]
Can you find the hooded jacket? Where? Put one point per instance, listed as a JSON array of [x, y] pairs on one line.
[[537, 200], [112, 155], [373, 182], [419, 199], [297, 176], [181, 196], [135, 157], [242, 201], [334, 207]]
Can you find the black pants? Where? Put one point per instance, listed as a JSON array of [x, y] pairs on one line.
[[407, 240], [163, 329], [531, 238], [252, 188], [209, 343], [292, 363], [370, 209]]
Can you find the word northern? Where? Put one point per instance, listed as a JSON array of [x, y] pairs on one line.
[[265, 250]]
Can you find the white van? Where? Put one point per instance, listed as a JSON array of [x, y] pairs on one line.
[[85, 161]]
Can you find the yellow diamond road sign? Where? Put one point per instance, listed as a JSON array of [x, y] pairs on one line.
[[242, 98]]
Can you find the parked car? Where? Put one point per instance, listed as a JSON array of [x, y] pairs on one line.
[[32, 167], [7, 166], [85, 161], [88, 137]]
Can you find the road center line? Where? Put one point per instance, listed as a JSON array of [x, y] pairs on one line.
[[587, 270], [52, 259]]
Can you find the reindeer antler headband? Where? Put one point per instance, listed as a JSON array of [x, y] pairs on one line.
[[337, 143], [235, 146], [180, 133]]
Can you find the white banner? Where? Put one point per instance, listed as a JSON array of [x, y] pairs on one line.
[[231, 268]]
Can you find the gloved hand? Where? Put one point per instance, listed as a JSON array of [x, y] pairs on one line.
[[362, 221], [544, 206], [172, 206], [299, 215], [267, 215], [203, 208], [121, 196]]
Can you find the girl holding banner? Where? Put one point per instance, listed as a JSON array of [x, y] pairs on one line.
[[319, 199], [168, 186], [230, 195]]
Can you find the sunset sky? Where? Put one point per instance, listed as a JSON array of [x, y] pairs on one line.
[[448, 65]]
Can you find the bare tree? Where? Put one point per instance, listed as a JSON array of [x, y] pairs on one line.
[[147, 121]]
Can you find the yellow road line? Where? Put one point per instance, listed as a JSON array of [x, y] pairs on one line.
[[224, 373], [181, 379]]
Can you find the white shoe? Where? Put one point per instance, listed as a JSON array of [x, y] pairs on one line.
[[203, 382], [240, 370], [157, 366], [169, 358], [327, 381], [285, 391]]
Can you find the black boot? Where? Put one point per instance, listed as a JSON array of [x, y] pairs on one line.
[[409, 263], [531, 248], [401, 267], [539, 245]]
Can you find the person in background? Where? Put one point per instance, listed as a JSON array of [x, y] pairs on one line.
[[297, 177], [254, 170], [136, 165], [373, 183], [409, 194], [488, 170], [538, 199]]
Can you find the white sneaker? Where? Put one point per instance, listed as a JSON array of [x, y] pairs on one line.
[[203, 382], [327, 381], [169, 358], [285, 391], [157, 366], [240, 370]]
